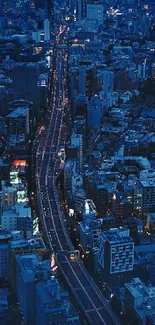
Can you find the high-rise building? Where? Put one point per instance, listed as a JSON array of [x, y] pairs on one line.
[[18, 122], [151, 222], [8, 197], [107, 81], [4, 98], [80, 106], [80, 126], [30, 270], [18, 103], [116, 251], [86, 79], [69, 171], [43, 92], [49, 305], [18, 129], [77, 142], [46, 30], [144, 197], [25, 79], [89, 235], [17, 217], [50, 15], [139, 301], [20, 246], [95, 111], [95, 231], [83, 79], [85, 236], [80, 9], [101, 199], [79, 200], [74, 81], [4, 308], [121, 207], [95, 11], [77, 182], [89, 212], [4, 255]]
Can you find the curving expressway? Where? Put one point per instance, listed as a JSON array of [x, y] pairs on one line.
[[86, 293]]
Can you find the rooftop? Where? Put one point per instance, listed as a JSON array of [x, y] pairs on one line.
[[30, 264], [117, 235], [144, 297], [147, 177], [89, 207], [8, 189], [18, 112], [18, 210], [35, 243], [4, 236], [48, 290], [144, 249]]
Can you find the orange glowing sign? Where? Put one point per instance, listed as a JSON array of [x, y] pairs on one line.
[[19, 163]]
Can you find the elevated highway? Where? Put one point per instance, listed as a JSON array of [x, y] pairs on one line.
[[89, 298]]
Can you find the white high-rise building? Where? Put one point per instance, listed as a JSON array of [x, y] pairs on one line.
[[89, 210]]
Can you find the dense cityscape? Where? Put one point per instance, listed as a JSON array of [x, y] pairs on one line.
[[77, 162]]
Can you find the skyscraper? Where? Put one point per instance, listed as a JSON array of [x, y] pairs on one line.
[[25, 78], [50, 16]]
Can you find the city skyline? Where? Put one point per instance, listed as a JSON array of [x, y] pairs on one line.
[[77, 162]]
